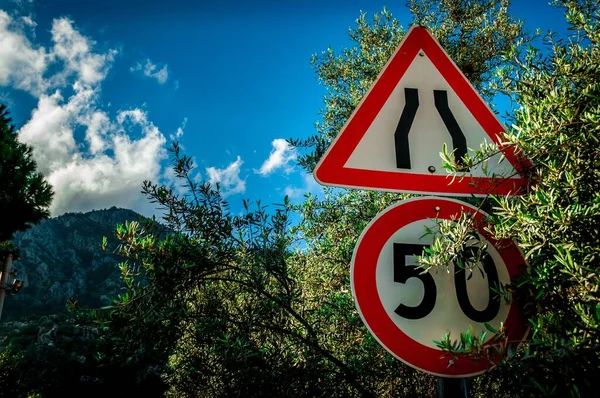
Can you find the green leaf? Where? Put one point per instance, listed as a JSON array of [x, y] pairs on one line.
[[490, 328]]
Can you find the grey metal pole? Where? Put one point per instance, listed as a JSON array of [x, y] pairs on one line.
[[452, 387], [3, 279]]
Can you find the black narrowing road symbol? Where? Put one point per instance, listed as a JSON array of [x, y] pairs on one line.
[[403, 128], [459, 142]]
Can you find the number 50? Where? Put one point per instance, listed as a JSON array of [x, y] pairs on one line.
[[403, 272]]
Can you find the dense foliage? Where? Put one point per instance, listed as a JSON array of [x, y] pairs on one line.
[[57, 355], [231, 309], [557, 222]]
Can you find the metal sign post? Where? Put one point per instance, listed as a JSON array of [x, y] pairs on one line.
[[452, 388]]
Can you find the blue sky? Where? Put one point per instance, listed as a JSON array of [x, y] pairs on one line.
[[99, 89]]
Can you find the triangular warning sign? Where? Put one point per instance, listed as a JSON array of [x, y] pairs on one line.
[[393, 139]]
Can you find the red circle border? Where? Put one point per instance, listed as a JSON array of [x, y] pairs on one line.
[[366, 296]]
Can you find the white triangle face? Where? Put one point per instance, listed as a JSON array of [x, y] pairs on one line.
[[428, 133]]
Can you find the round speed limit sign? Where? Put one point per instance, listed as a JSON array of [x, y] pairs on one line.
[[406, 310]]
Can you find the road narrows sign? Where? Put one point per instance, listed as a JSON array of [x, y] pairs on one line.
[[406, 310], [393, 139]]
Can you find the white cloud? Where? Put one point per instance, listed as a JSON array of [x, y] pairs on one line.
[[310, 185], [22, 3], [280, 157], [50, 129], [107, 166], [177, 134], [75, 51], [228, 178], [135, 116], [88, 178], [26, 23], [22, 65], [98, 126], [293, 192], [23, 6], [151, 70], [27, 20], [179, 131]]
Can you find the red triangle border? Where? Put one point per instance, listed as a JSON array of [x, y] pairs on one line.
[[331, 171]]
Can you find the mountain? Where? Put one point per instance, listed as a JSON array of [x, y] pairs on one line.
[[61, 258]]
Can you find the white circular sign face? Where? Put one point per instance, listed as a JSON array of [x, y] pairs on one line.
[[406, 309], [446, 315]]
